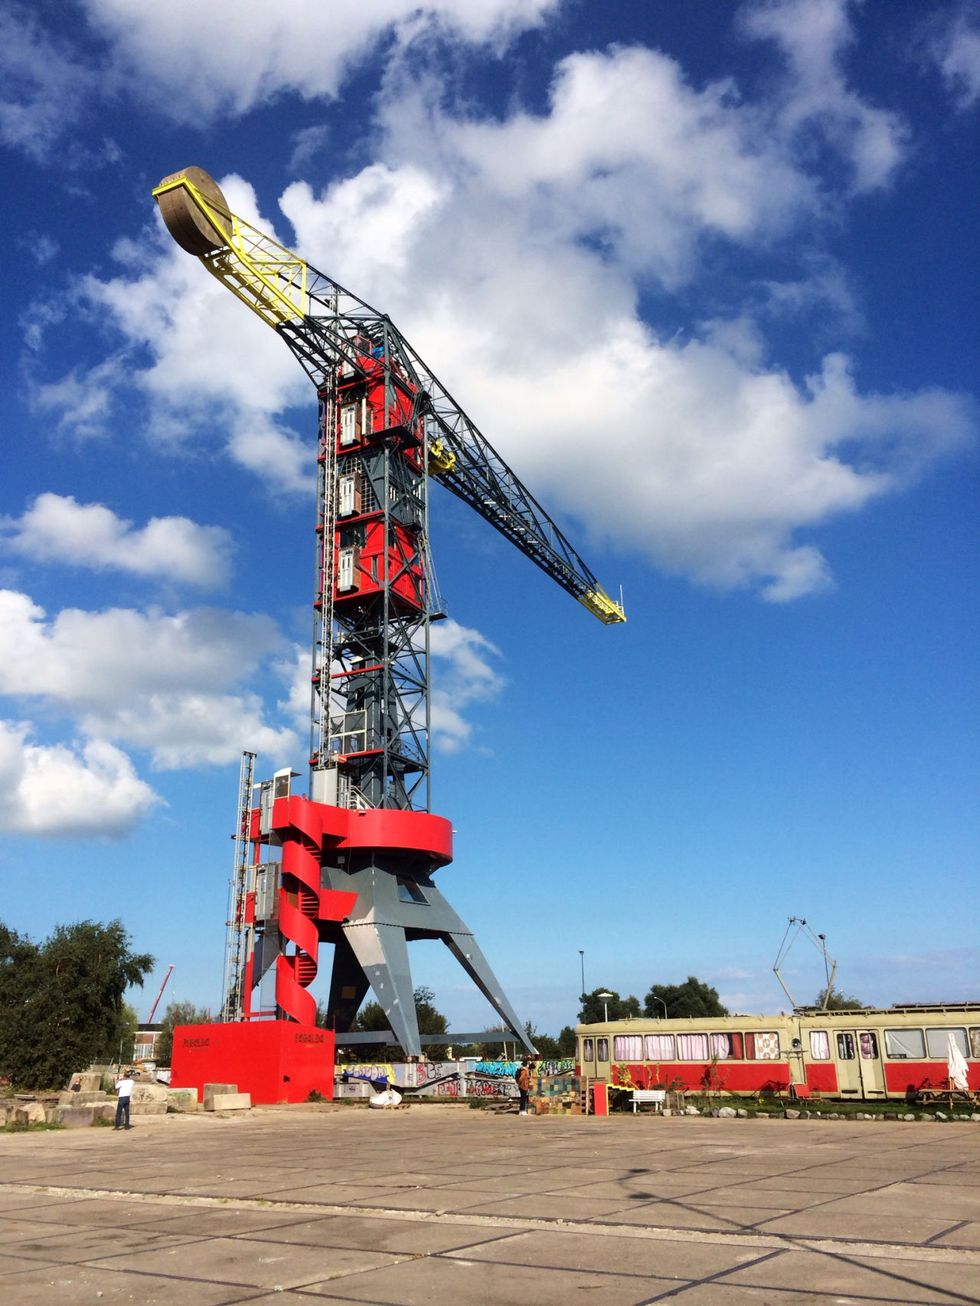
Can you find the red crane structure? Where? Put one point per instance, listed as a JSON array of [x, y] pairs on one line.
[[156, 1000], [353, 864]]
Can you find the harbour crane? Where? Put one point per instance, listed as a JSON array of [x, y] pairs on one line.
[[359, 855]]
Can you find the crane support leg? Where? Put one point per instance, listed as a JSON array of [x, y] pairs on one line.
[[391, 911], [362, 879]]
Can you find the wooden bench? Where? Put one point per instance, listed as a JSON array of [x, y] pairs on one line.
[[654, 1097]]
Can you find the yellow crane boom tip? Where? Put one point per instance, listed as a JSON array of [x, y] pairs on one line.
[[602, 606]]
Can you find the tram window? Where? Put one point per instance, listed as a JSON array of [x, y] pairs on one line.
[[628, 1047], [868, 1043], [904, 1044], [602, 1049], [692, 1047], [763, 1046], [819, 1045], [937, 1042], [660, 1047], [588, 1049], [975, 1043], [845, 1046], [726, 1046]]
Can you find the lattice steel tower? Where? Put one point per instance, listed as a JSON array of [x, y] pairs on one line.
[[359, 856]]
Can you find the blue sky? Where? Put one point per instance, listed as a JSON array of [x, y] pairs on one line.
[[705, 275]]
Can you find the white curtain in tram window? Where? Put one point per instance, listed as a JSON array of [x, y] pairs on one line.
[[904, 1044], [628, 1047], [721, 1045], [692, 1047], [819, 1045], [660, 1047], [868, 1045], [975, 1044], [767, 1047], [956, 1064]]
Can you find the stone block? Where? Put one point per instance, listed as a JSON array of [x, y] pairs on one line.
[[86, 1081], [211, 1089], [29, 1113], [105, 1111], [148, 1108], [229, 1102], [147, 1092], [73, 1117], [182, 1099]]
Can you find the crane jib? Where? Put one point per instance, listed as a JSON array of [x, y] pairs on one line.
[[320, 322]]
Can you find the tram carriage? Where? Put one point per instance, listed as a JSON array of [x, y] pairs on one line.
[[865, 1053]]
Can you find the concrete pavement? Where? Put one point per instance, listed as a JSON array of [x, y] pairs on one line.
[[440, 1204]]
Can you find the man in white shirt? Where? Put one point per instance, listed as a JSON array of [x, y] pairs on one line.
[[124, 1092]]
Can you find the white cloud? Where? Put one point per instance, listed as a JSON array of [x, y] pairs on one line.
[[277, 456], [56, 528], [812, 35], [365, 224], [191, 729], [61, 791], [45, 88], [166, 683], [693, 451], [462, 676], [306, 46], [633, 157], [955, 48], [295, 672], [82, 399], [512, 252], [195, 336]]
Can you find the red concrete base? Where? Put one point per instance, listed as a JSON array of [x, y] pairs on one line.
[[273, 1060]]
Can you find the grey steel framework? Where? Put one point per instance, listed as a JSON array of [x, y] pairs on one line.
[[239, 942], [370, 676]]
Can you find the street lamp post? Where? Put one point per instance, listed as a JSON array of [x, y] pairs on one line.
[[662, 1003], [581, 957], [604, 998]]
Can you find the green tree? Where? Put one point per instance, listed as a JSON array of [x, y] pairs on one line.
[[371, 1018], [692, 998], [61, 1002], [177, 1013], [594, 1008], [545, 1044], [566, 1042], [127, 1032], [20, 978], [838, 1001]]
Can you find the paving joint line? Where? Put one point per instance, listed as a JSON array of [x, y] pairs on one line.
[[537, 1224]]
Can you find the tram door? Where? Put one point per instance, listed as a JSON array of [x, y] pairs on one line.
[[859, 1069]]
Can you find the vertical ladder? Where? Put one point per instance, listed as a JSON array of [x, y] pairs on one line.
[[236, 949], [326, 542]]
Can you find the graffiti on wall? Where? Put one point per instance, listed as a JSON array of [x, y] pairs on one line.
[[453, 1078]]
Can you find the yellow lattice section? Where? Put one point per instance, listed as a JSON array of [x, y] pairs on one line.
[[270, 279], [602, 606]]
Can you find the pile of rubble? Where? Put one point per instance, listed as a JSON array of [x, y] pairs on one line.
[[90, 1099]]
